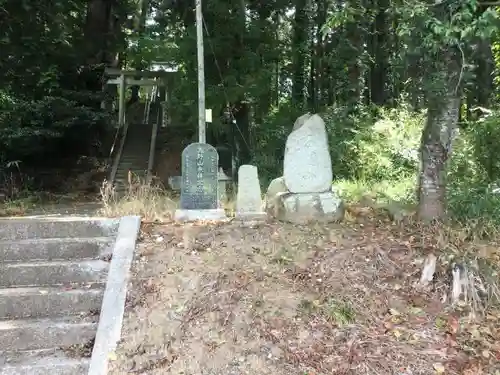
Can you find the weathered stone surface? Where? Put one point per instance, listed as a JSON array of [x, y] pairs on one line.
[[307, 162], [199, 187], [46, 333], [55, 227], [276, 187], [52, 273], [307, 207], [249, 197], [23, 303], [224, 182], [301, 121], [41, 363], [203, 215]]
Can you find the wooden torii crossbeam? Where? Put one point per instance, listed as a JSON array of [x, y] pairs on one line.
[[126, 78]]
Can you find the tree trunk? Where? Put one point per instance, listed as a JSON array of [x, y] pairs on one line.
[[300, 49], [437, 138], [98, 31], [322, 9], [380, 55]]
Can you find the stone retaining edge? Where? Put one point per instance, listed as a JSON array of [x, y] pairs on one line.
[[113, 305]]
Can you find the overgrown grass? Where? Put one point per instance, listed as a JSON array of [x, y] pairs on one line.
[[148, 200], [401, 190]]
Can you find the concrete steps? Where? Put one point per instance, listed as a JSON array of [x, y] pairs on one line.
[[42, 362], [55, 272], [52, 277], [36, 334], [54, 248], [135, 154], [19, 303]]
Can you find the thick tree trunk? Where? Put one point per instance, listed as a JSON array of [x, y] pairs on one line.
[[300, 50], [99, 31], [436, 143], [380, 54], [322, 9]]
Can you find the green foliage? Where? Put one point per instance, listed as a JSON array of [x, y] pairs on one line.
[[485, 134], [474, 172], [379, 157], [364, 145], [389, 148], [400, 189], [36, 130], [269, 141]]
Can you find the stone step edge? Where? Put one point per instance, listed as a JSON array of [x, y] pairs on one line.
[[47, 290], [28, 241], [76, 301], [115, 294], [101, 264], [36, 360], [63, 321], [29, 334], [18, 254]]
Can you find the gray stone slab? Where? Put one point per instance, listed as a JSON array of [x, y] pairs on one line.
[[301, 208], [52, 273], [175, 182], [113, 306], [46, 333], [41, 363], [200, 215], [55, 227], [48, 302], [307, 165], [54, 249], [249, 197], [251, 216], [199, 186]]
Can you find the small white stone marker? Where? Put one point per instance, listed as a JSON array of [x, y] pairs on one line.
[[249, 197]]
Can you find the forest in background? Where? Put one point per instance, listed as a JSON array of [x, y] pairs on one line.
[[408, 90]]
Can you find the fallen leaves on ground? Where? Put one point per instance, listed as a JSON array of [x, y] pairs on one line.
[[284, 299]]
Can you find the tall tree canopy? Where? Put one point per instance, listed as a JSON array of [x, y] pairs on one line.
[[267, 62]]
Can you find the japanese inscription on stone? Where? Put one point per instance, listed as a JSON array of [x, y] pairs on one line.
[[199, 188]]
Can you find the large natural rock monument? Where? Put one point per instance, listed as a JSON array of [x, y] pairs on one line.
[[305, 193], [307, 164]]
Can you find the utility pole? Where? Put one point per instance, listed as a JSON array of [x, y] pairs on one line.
[[202, 134]]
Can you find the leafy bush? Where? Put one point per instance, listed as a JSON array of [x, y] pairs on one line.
[[389, 148], [269, 140], [53, 127], [346, 127], [485, 136], [375, 151], [473, 173], [365, 143]]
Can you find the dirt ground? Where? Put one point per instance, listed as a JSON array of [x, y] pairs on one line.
[[281, 299]]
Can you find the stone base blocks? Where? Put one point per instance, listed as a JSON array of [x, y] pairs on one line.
[[304, 193]]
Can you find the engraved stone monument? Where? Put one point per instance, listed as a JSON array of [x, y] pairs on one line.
[[305, 191], [249, 197], [307, 164], [199, 185]]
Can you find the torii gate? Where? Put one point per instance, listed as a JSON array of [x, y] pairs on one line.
[[125, 78]]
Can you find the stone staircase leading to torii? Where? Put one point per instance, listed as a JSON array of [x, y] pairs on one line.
[[134, 157]]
